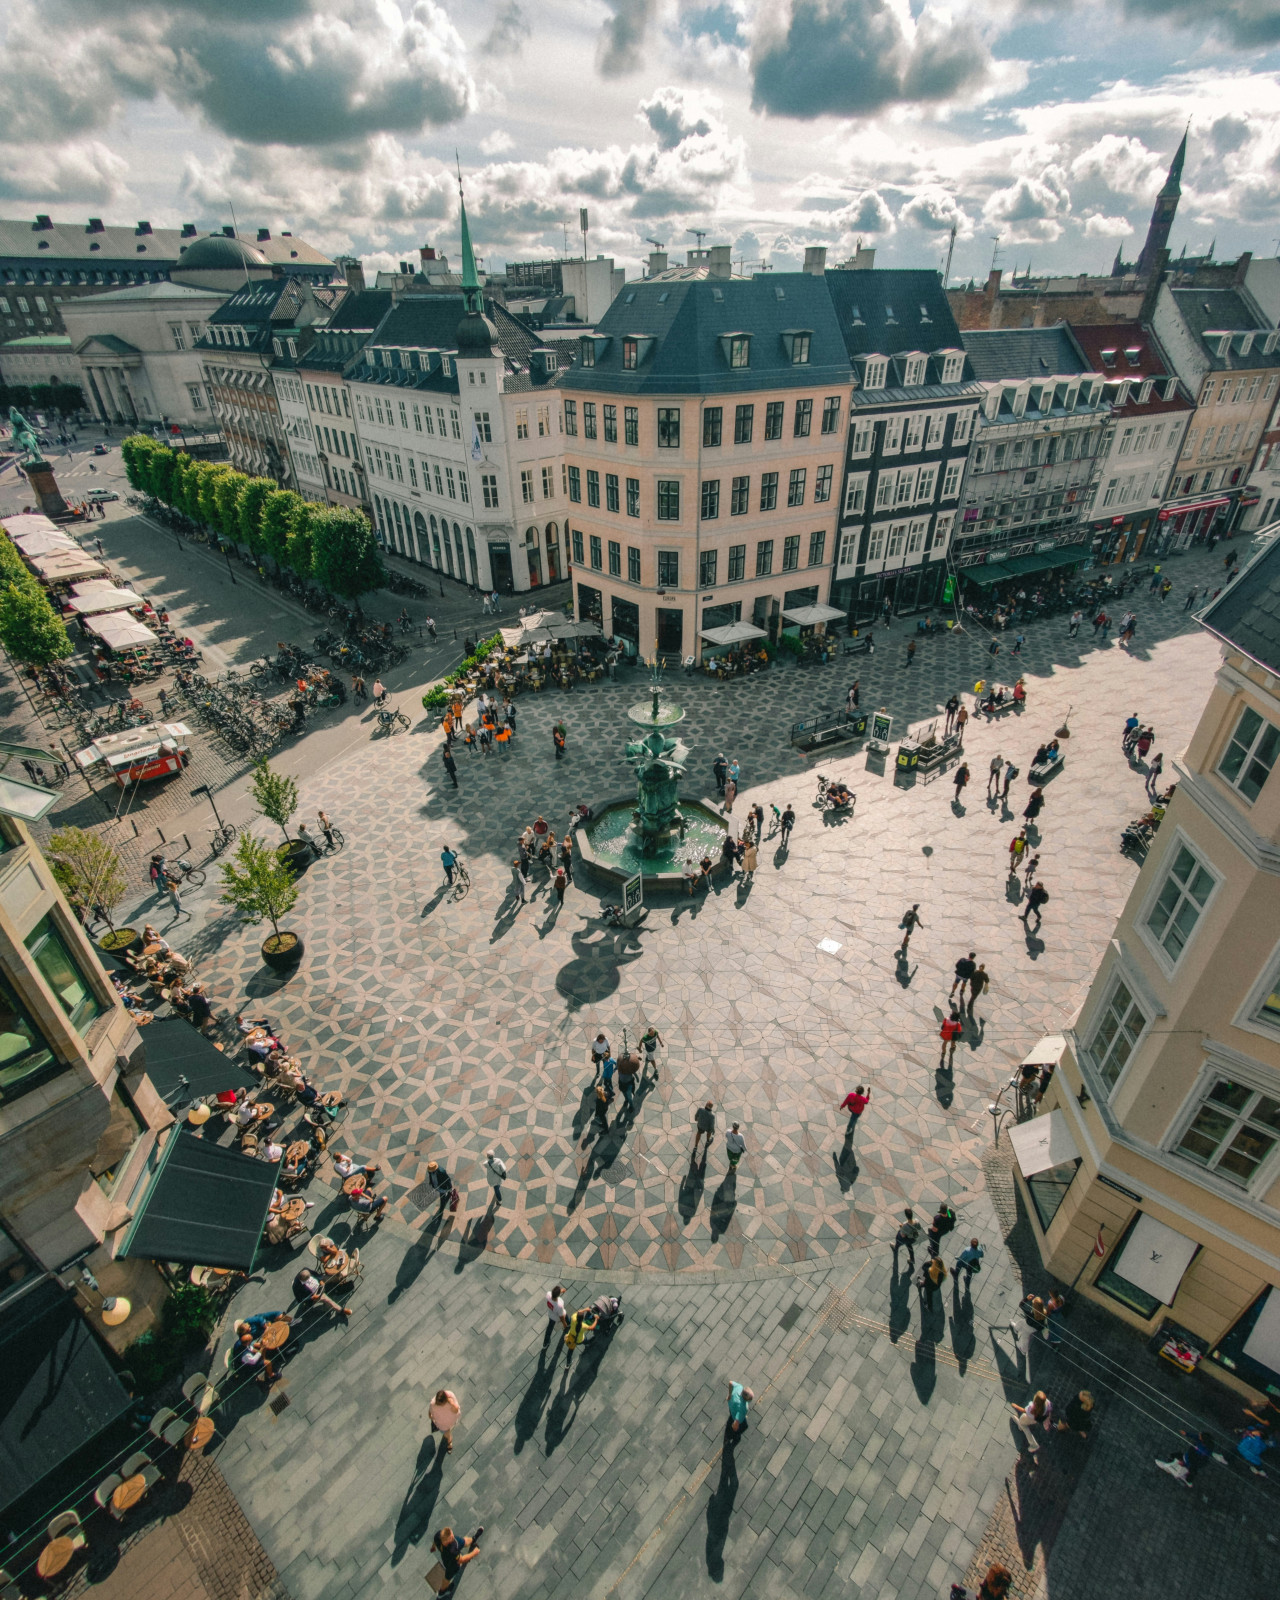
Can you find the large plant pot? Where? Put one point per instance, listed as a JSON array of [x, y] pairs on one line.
[[280, 952], [117, 945], [297, 855]]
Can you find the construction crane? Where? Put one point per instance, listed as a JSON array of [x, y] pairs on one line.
[[699, 234], [656, 243]]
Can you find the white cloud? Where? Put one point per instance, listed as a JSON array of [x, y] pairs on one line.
[[623, 36], [934, 209], [1097, 226], [86, 171], [509, 32], [497, 143], [1032, 209]]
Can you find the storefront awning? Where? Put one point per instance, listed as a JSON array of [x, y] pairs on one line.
[[1047, 1053], [121, 632], [985, 576], [1263, 1344], [183, 1065], [207, 1206], [1198, 505], [1042, 1143], [733, 633], [810, 616], [1155, 1258], [22, 523], [102, 603]]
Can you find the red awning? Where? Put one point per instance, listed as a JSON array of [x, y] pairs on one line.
[[1200, 505]]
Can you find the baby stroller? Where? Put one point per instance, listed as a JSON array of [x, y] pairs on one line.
[[608, 1308]]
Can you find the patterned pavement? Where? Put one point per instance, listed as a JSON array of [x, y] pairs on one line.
[[456, 1026]]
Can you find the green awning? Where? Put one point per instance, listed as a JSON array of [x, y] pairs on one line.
[[184, 1066], [985, 576], [1069, 554], [206, 1206]]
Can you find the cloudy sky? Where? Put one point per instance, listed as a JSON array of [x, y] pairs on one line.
[[1042, 128]]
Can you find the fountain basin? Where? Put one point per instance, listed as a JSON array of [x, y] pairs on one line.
[[610, 843]]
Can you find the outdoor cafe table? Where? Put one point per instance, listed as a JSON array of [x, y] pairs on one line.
[[129, 1492], [274, 1335], [293, 1210], [199, 1434], [55, 1556], [297, 1151], [336, 1266]]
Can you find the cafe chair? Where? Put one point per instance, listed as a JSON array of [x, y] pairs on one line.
[[139, 1461], [67, 1523], [168, 1426], [200, 1393], [102, 1494]]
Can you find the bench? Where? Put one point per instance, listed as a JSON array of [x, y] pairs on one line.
[[1046, 770], [863, 645], [934, 759], [828, 730]]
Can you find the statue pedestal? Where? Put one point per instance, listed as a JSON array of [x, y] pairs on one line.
[[45, 486]]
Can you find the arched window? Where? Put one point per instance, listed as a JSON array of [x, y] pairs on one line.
[[462, 560], [435, 543], [419, 535], [471, 558], [399, 530], [448, 546]]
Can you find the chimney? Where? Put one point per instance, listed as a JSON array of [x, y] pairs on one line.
[[188, 230], [815, 259], [992, 291], [143, 227], [1242, 266], [263, 233], [404, 268], [353, 272], [864, 259], [95, 225], [42, 222], [719, 264], [657, 262], [427, 252]]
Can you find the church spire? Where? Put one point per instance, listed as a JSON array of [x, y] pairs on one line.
[[472, 294], [1166, 207], [1173, 183]]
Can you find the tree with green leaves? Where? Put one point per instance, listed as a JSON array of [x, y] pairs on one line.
[[13, 569], [226, 498], [275, 794], [249, 511], [30, 629], [184, 495], [87, 870], [257, 884], [163, 464], [208, 475], [278, 513], [299, 547], [345, 558]]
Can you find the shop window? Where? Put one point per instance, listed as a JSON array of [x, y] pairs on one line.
[[1251, 1349], [1048, 1189], [57, 966], [1128, 1294]]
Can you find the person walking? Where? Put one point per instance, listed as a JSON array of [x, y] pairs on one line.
[[600, 1051], [1017, 852], [993, 776], [450, 765], [906, 1238], [1035, 1414], [740, 1398], [171, 887], [965, 969], [1018, 643], [730, 794], [960, 780], [788, 822], [651, 1039], [442, 1186], [750, 860], [931, 1280], [557, 738], [454, 1554], [1010, 773], [968, 1261], [1077, 617], [734, 1146], [1078, 1416], [1029, 870], [704, 1120], [1153, 774], [628, 1070], [950, 1031], [556, 1318], [496, 1168], [1034, 806], [1038, 897], [951, 708], [1185, 1466], [962, 718], [607, 1069], [855, 1103], [720, 771], [1191, 598], [444, 1413], [517, 879], [910, 922], [853, 697], [449, 862], [977, 984], [560, 883], [911, 651]]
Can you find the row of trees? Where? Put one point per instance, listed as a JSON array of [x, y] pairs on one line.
[[64, 399], [30, 629], [331, 545]]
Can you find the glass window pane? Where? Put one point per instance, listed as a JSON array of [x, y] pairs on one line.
[[1245, 1153], [1206, 1133], [52, 957], [1266, 1112], [25, 1059], [1234, 1095]]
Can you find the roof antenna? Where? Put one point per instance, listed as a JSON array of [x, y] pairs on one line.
[[235, 234]]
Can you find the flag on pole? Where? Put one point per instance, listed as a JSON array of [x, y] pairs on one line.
[[1099, 1249], [477, 450]]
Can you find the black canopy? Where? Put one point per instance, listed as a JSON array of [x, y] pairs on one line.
[[207, 1206], [176, 1050], [60, 1389]]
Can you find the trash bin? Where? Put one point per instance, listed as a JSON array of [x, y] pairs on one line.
[[908, 760]]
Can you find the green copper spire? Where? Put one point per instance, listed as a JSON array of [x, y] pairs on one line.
[[1173, 183], [472, 293]]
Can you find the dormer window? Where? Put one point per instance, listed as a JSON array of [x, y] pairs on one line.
[[1133, 355], [1218, 341], [913, 370], [446, 366], [386, 357], [1108, 358], [889, 317], [277, 347], [952, 366], [736, 348], [1171, 389], [856, 318], [924, 314], [1144, 393], [1269, 343], [587, 353], [796, 341], [874, 373], [1246, 343], [630, 354]]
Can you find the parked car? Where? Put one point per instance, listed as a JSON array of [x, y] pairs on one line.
[[102, 449], [102, 494]]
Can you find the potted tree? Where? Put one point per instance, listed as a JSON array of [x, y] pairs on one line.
[[88, 872], [261, 887], [277, 800]]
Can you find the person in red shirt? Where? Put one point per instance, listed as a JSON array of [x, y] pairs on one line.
[[855, 1104], [950, 1031]]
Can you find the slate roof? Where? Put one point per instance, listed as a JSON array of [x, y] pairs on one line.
[[264, 307], [1223, 310], [686, 321], [1135, 355], [155, 247], [892, 310], [142, 291], [1016, 353], [335, 346], [430, 322], [1248, 614]]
